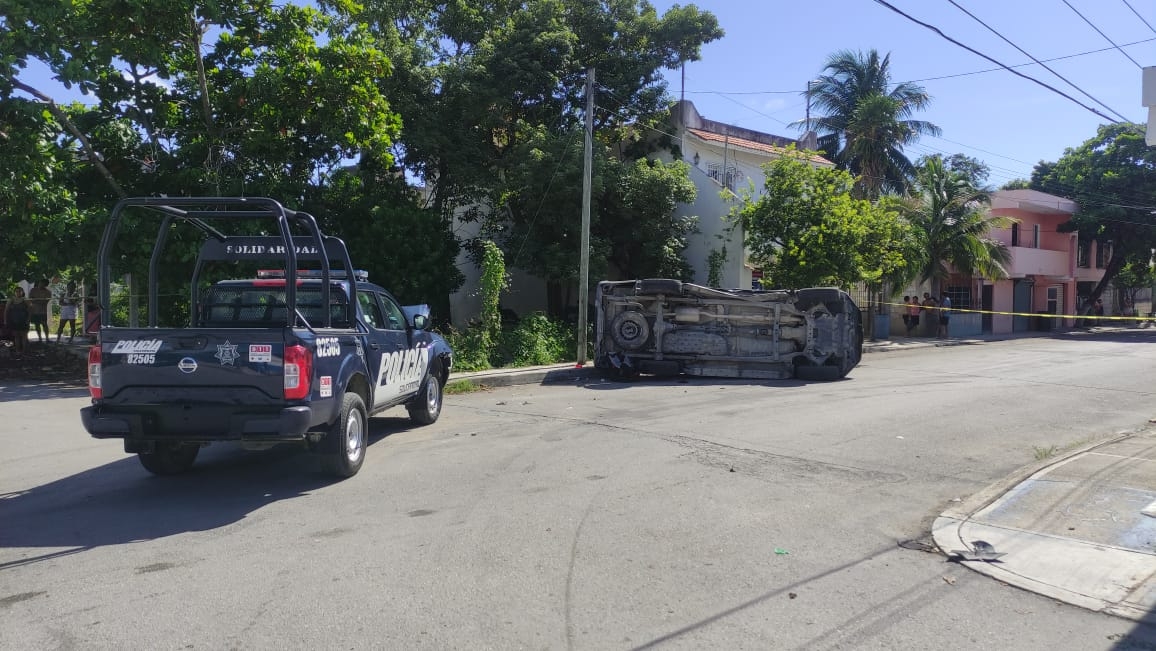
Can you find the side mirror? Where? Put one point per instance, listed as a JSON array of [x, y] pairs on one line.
[[420, 321]]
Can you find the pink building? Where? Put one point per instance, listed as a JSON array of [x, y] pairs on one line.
[[1050, 272]]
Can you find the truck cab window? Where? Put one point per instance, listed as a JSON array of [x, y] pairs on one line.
[[370, 309], [394, 317]]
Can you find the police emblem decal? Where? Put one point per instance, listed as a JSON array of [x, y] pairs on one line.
[[227, 353]]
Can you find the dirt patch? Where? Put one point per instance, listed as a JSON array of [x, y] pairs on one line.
[[44, 361]]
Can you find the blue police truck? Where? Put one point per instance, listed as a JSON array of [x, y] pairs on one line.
[[275, 339]]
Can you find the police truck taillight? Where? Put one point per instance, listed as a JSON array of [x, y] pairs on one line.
[[94, 372], [298, 372]]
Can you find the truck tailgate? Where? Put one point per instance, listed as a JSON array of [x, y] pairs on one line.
[[151, 365]]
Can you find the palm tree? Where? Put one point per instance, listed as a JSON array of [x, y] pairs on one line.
[[952, 216], [866, 125]]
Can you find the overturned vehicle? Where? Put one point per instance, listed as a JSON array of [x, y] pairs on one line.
[[667, 327]]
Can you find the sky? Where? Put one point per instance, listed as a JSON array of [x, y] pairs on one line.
[[754, 76]]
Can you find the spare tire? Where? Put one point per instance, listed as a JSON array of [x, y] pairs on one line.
[[630, 330]]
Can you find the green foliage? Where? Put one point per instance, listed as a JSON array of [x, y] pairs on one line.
[[1112, 179], [493, 282], [714, 264], [951, 215], [492, 99], [864, 121], [806, 230], [535, 341], [408, 249], [245, 98]]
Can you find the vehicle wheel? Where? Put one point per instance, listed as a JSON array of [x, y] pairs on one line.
[[427, 404], [831, 297], [169, 458], [345, 443], [630, 330], [665, 286]]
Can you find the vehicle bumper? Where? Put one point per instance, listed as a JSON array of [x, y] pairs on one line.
[[188, 423]]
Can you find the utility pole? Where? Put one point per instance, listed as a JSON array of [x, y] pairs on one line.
[[584, 258]]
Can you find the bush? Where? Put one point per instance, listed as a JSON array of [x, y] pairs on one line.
[[536, 340]]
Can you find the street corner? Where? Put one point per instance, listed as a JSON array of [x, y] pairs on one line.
[[1079, 529]]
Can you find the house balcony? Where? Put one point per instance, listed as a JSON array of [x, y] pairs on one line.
[[1028, 261]]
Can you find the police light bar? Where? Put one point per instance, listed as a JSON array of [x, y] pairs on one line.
[[336, 274]]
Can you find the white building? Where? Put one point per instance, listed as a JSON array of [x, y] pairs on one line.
[[724, 159]]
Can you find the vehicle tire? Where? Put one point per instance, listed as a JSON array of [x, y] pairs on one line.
[[346, 441], [168, 458], [664, 286], [831, 297], [426, 406], [630, 330]]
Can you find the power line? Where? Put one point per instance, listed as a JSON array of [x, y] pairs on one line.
[[1098, 31], [998, 63], [915, 81], [1045, 66], [1139, 16]]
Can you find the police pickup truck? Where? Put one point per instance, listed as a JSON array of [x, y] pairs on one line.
[[303, 353]]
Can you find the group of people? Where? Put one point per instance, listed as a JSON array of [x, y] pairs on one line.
[[24, 313], [939, 308]]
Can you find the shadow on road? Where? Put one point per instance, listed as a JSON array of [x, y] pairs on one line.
[[41, 390], [120, 502], [609, 384]]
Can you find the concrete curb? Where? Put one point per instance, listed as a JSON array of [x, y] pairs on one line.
[[1095, 576]]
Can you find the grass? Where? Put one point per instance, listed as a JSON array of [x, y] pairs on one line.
[[456, 387]]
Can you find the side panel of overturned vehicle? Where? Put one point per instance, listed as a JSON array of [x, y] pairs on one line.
[[667, 327]]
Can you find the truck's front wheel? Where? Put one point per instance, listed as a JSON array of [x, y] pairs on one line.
[[426, 406], [169, 458], [345, 443]]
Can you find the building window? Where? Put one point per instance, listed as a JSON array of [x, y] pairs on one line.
[[960, 297], [1083, 253], [1015, 234], [1036, 236], [1103, 254]]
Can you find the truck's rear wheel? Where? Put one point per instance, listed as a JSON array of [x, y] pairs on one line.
[[345, 443], [168, 458], [427, 404]]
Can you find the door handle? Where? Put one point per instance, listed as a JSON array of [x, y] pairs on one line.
[[374, 346]]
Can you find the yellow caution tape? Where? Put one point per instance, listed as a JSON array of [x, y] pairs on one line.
[[954, 310]]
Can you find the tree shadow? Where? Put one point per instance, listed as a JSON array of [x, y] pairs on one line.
[[11, 391], [120, 502]]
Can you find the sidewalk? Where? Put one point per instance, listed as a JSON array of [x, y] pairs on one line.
[[1079, 529]]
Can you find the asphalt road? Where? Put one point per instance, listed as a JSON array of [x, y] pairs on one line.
[[658, 514]]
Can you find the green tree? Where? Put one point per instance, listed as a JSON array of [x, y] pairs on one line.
[[1134, 275], [864, 121], [807, 230], [951, 215], [492, 98], [1112, 179], [201, 98]]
